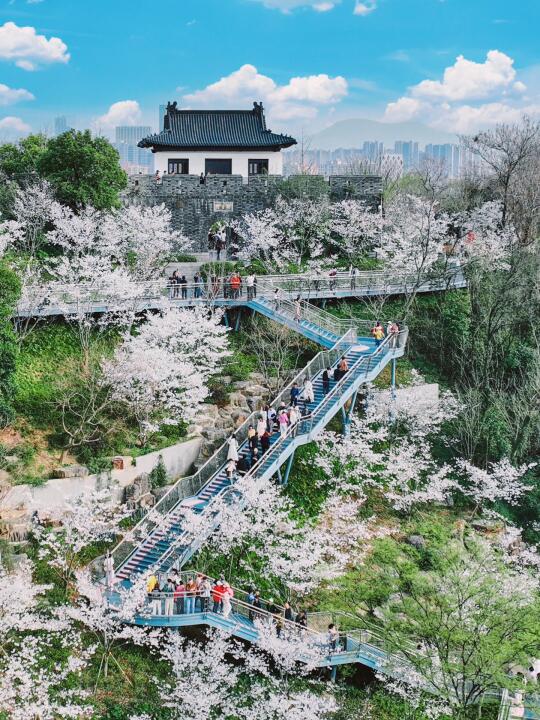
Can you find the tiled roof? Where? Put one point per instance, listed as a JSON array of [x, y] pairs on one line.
[[216, 129]]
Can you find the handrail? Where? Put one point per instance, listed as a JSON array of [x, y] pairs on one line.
[[219, 289], [218, 459], [294, 430]]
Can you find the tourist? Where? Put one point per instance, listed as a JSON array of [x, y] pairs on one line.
[[220, 243], [297, 309], [301, 618], [326, 380], [217, 596], [175, 284], [265, 441], [232, 453], [293, 420], [255, 286], [198, 584], [243, 466], [255, 603], [169, 598], [254, 456], [191, 589], [253, 440], [277, 299], [288, 613], [179, 596], [183, 285], [228, 593], [151, 583], [230, 470], [261, 427], [295, 394], [337, 376], [205, 590], [264, 413], [202, 179], [307, 391], [333, 637], [332, 275], [343, 367], [354, 273], [171, 283], [108, 566], [271, 607], [283, 420], [157, 178], [155, 597], [272, 422], [235, 285], [378, 333], [393, 333], [199, 285], [250, 285]]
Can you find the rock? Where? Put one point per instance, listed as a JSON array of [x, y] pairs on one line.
[[210, 410], [5, 478], [71, 471], [238, 399], [416, 541], [240, 420], [258, 378], [158, 493], [255, 390], [225, 380]]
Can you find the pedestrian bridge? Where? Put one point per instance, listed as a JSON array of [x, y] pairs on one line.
[[58, 299]]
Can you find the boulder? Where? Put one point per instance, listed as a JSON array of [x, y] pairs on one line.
[[71, 471], [238, 399], [416, 541], [253, 390]]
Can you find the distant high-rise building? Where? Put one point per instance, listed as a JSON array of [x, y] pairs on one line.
[[162, 111], [409, 152], [133, 158], [372, 150], [131, 134], [391, 165], [448, 155], [60, 125]]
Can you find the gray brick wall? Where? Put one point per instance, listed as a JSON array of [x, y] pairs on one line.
[[196, 207]]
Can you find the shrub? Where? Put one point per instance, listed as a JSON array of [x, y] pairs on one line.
[[158, 476]]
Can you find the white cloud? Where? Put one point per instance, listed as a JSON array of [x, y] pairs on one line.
[[287, 6], [467, 80], [9, 96], [13, 126], [439, 103], [298, 98], [402, 110], [124, 112], [365, 8], [27, 49]]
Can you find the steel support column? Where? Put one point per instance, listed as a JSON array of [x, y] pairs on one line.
[[237, 323], [288, 469]]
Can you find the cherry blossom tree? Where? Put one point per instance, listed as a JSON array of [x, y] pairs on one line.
[[32, 690], [207, 685], [357, 227], [108, 622], [294, 232], [501, 482], [161, 373], [84, 520], [414, 232], [32, 211]]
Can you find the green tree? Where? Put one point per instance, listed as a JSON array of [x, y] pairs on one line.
[[10, 289], [463, 622], [20, 160], [83, 170]]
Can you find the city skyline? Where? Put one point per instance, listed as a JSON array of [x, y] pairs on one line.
[[337, 60]]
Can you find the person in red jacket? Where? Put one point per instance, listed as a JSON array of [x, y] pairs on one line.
[[179, 595], [217, 596]]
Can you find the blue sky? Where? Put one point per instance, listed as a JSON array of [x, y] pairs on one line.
[[310, 61]]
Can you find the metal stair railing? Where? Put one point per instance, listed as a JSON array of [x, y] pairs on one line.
[[92, 297], [190, 486], [314, 637], [305, 426]]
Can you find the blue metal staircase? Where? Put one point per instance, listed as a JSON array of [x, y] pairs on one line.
[[163, 537]]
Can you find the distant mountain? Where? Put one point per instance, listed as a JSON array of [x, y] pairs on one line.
[[352, 133]]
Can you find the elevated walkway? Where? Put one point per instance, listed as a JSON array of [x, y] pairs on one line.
[[57, 299]]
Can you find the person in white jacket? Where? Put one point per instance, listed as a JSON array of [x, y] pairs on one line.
[[233, 449], [307, 391]]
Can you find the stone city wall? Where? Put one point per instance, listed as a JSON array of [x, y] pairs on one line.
[[196, 207]]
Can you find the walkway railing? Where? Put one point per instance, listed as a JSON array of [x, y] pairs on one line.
[[190, 486], [185, 544], [60, 298]]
